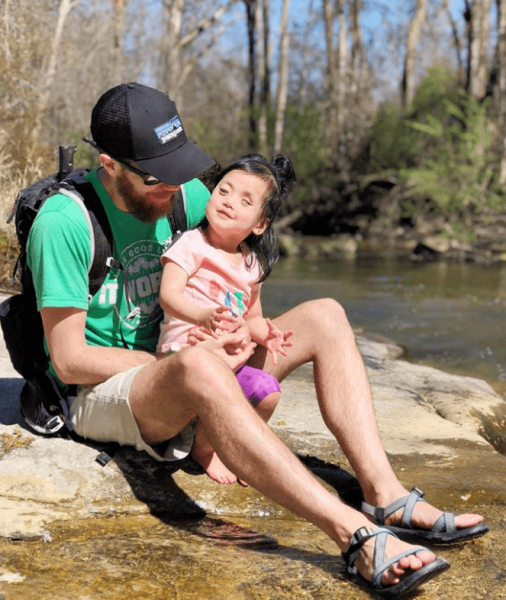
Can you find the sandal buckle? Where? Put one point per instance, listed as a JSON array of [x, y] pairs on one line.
[[379, 515]]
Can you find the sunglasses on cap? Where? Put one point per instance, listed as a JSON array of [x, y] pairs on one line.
[[146, 177]]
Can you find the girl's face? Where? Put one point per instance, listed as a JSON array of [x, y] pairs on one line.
[[235, 206]]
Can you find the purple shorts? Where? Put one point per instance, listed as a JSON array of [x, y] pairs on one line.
[[256, 384]]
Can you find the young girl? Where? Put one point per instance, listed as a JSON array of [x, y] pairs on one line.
[[212, 277]]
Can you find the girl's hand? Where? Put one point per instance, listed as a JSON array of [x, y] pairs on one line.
[[277, 341], [217, 319], [229, 346]]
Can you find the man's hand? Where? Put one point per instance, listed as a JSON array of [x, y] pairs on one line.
[[231, 347]]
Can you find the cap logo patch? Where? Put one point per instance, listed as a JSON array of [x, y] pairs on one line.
[[170, 130]]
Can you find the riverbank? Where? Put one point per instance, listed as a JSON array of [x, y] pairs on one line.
[[420, 245], [70, 528]]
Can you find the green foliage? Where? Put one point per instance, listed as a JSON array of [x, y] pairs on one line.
[[438, 83], [223, 147], [458, 162], [311, 159], [441, 149], [392, 144]]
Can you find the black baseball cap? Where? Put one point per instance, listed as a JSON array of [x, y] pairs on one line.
[[140, 124]]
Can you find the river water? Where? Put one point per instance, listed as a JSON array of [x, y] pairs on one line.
[[446, 315]]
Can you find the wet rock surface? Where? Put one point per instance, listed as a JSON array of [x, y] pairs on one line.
[[70, 528]]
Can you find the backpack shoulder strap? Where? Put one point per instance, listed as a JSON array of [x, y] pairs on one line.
[[177, 217], [82, 191]]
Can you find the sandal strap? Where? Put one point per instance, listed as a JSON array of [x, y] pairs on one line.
[[358, 539], [380, 513], [445, 523], [380, 565]]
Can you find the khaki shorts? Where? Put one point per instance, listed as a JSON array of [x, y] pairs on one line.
[[102, 413]]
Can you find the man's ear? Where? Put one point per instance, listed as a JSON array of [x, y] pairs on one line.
[[111, 166], [261, 227]]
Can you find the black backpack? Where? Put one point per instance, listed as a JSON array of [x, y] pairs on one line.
[[42, 404]]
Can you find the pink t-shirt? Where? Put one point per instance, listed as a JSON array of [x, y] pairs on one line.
[[212, 281]]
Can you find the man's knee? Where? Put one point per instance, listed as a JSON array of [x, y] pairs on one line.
[[325, 313], [200, 368]]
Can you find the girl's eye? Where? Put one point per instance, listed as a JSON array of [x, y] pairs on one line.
[[223, 191], [246, 202]]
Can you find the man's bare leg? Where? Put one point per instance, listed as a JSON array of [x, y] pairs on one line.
[[322, 335], [166, 395], [204, 453]]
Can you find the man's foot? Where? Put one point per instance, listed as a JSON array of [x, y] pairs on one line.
[[213, 467], [372, 549], [394, 574], [405, 512]]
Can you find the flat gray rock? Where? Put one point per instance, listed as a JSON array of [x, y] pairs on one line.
[[421, 412]]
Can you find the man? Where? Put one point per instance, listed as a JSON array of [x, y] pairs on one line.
[[130, 395]]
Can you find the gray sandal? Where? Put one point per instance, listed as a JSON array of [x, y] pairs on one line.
[[443, 531], [411, 580]]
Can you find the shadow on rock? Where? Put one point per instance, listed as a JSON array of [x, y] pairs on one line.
[[153, 484], [345, 484]]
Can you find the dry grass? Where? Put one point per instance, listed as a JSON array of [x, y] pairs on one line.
[[15, 175], [13, 440]]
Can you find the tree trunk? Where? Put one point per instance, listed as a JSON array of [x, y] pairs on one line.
[[331, 80], [483, 65], [262, 51], [48, 77], [119, 20], [250, 18], [456, 41], [303, 92], [356, 50], [171, 53], [342, 61], [283, 79], [501, 53], [415, 28], [478, 22]]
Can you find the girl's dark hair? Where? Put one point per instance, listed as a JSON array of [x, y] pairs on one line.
[[279, 174]]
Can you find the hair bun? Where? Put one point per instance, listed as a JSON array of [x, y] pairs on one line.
[[285, 172]]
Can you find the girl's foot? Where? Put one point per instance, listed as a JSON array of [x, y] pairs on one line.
[[214, 468]]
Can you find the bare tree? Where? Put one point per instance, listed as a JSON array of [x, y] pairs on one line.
[[302, 87], [501, 88], [263, 62], [360, 105], [415, 27], [342, 62], [282, 92], [477, 17], [49, 73], [456, 40], [331, 76], [252, 69], [119, 21], [177, 63]]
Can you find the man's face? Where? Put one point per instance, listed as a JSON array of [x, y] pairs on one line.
[[146, 203]]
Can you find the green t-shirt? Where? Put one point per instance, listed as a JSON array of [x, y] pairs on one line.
[[126, 308]]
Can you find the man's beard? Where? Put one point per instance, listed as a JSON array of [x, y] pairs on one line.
[[141, 207]]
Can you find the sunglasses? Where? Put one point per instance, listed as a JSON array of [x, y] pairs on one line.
[[146, 177]]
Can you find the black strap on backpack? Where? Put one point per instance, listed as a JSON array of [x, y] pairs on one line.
[[75, 183], [177, 217]]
